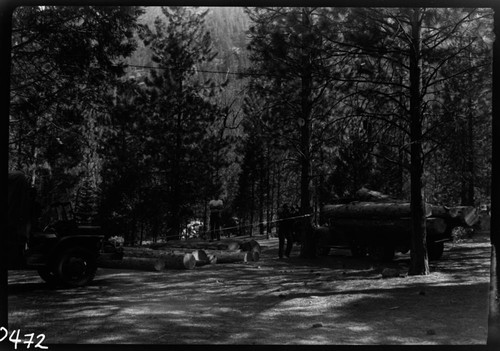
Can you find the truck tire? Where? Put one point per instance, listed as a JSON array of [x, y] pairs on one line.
[[76, 267], [435, 250]]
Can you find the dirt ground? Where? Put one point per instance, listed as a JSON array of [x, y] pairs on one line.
[[330, 300]]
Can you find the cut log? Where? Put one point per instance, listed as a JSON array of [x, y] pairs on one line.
[[199, 255], [365, 210], [459, 215], [136, 263], [253, 255], [365, 194], [396, 226], [179, 261], [197, 245], [233, 256], [250, 245], [211, 259]]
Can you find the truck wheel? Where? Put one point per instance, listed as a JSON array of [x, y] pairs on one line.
[[76, 267], [48, 276], [435, 250], [382, 253]]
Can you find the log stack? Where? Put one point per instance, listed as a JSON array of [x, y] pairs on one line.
[[183, 254], [394, 217], [368, 209], [465, 216]]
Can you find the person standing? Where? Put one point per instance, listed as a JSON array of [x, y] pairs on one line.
[[215, 218], [284, 231]]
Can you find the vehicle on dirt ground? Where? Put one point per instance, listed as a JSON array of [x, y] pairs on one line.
[[64, 252], [381, 242], [381, 228]]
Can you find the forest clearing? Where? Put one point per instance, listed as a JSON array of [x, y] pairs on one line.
[[134, 130], [335, 299]]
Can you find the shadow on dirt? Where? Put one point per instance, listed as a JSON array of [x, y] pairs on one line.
[[332, 299]]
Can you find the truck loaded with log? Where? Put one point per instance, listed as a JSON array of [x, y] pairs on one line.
[[376, 225]]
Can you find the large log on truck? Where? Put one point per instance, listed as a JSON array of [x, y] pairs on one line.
[[458, 215], [365, 210], [396, 226]]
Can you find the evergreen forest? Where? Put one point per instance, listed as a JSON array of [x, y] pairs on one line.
[[140, 116]]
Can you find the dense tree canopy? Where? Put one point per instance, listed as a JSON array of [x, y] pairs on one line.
[[143, 115]]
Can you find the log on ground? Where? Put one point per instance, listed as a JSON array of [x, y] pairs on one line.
[[225, 256], [179, 261], [211, 259], [197, 245], [199, 255], [136, 263], [250, 245]]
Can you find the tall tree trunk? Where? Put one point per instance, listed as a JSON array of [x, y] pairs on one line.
[[269, 202], [262, 198], [307, 248], [252, 207], [142, 233], [176, 183], [419, 264], [470, 158]]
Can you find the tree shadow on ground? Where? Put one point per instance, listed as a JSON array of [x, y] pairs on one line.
[[269, 301]]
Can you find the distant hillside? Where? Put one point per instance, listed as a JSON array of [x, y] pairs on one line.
[[227, 25]]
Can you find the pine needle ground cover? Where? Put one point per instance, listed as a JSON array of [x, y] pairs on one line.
[[335, 299]]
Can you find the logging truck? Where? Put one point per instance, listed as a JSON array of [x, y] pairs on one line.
[[63, 252], [380, 229]]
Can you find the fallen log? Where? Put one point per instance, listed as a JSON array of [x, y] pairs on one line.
[[179, 261], [250, 245], [197, 245], [136, 263], [364, 210], [167, 260], [211, 259], [199, 255], [253, 255], [224, 256]]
